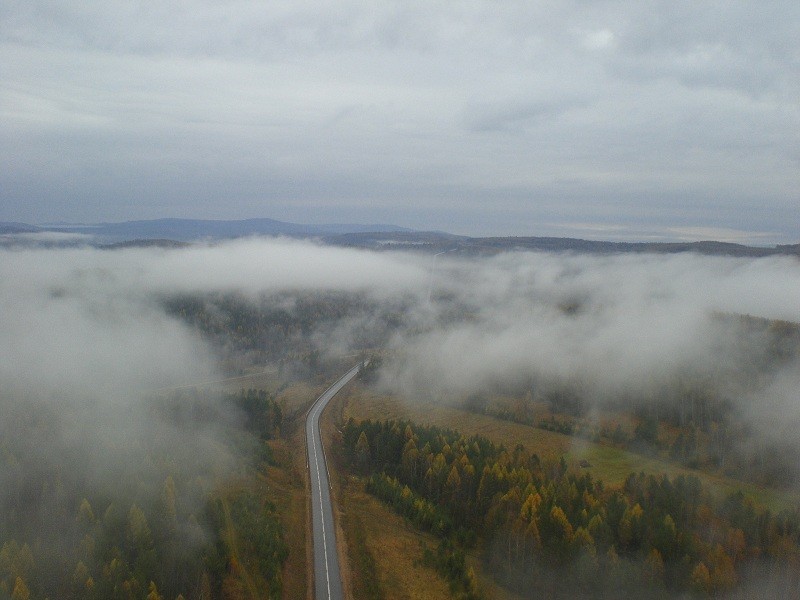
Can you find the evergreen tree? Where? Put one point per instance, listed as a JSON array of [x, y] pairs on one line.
[[21, 591]]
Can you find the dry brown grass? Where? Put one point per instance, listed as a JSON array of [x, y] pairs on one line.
[[394, 545], [297, 397]]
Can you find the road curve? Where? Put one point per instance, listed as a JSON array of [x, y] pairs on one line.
[[327, 576]]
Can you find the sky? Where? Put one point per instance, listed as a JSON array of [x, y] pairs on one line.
[[603, 120]]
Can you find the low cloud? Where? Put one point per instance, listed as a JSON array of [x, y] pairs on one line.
[[85, 332], [88, 323], [612, 327]]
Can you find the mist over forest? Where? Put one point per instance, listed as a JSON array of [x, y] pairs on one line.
[[87, 335], [614, 328], [98, 328]]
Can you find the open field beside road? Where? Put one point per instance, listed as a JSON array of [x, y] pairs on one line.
[[374, 532]]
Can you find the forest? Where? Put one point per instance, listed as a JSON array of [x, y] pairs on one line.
[[546, 530], [162, 528], [287, 329]]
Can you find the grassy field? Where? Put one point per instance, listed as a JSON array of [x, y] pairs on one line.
[[378, 535], [609, 464]]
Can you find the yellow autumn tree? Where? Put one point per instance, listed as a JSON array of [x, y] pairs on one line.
[[653, 570], [701, 579], [153, 592], [21, 591]]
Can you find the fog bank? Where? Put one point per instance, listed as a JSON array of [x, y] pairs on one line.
[[88, 328]]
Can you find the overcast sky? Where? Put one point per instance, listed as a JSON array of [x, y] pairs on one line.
[[616, 120]]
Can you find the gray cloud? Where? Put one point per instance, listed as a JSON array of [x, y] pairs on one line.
[[521, 113], [514, 116]]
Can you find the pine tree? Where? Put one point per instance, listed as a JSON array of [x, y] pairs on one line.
[[654, 568], [363, 454], [85, 518], [153, 592], [79, 579], [701, 579], [21, 591], [169, 514], [138, 534], [205, 588], [453, 485], [139, 539]]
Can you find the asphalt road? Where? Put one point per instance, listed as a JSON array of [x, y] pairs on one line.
[[327, 576]]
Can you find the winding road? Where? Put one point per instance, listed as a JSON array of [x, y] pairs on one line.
[[327, 576]]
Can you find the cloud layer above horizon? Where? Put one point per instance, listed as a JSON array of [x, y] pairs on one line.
[[612, 120]]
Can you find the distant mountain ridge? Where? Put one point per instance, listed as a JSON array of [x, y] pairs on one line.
[[441, 242], [7, 228], [188, 230], [176, 232]]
